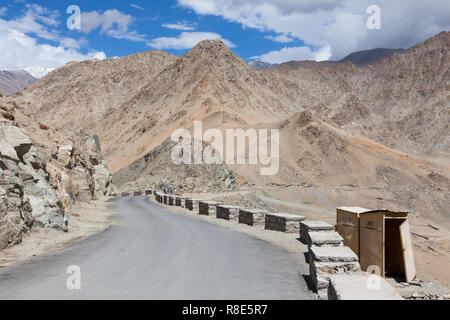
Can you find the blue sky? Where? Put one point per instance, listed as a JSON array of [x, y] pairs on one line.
[[35, 32]]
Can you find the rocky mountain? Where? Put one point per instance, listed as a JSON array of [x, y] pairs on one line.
[[139, 95], [13, 81], [386, 123], [366, 57], [385, 101], [157, 165], [141, 99], [304, 64], [43, 172], [360, 59]]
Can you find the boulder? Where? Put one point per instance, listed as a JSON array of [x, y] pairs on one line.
[[95, 159], [79, 184], [113, 190], [17, 139], [8, 152], [65, 154], [33, 159], [66, 150], [27, 213], [37, 211], [41, 197], [84, 195], [11, 223], [102, 179]]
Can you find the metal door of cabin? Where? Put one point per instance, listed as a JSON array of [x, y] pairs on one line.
[[372, 242]]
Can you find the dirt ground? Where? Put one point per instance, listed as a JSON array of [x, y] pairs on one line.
[[85, 220], [433, 259]]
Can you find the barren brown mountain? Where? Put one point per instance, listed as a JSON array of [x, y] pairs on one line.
[[395, 111], [13, 81]]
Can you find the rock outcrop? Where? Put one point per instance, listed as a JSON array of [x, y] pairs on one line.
[[43, 172], [26, 197], [157, 169], [78, 170]]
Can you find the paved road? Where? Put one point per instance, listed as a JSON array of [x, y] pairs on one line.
[[154, 254]]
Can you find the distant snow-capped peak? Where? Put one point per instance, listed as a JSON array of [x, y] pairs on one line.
[[260, 65], [38, 72]]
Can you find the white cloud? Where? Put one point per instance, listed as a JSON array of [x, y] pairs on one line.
[[323, 54], [20, 41], [186, 40], [111, 22], [294, 53], [339, 24], [136, 7], [99, 55], [35, 21], [41, 22], [73, 44], [43, 14], [179, 26], [3, 10], [282, 38], [20, 51], [283, 6]]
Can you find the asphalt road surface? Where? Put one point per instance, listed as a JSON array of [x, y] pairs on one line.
[[151, 253]]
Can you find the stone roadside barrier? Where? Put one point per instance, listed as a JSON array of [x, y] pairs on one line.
[[252, 217], [313, 226], [171, 200], [360, 286], [327, 254], [230, 213], [325, 239], [137, 193], [192, 204], [183, 201], [335, 272], [283, 222], [327, 261], [207, 208]]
